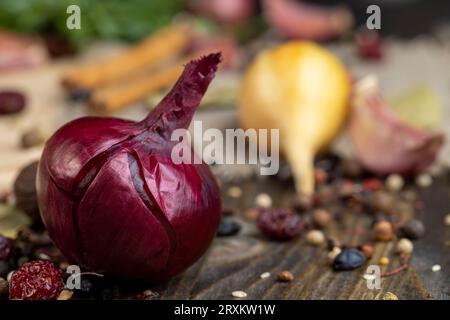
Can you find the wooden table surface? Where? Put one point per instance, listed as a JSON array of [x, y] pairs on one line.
[[236, 262]]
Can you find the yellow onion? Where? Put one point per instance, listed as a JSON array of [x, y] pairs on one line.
[[303, 90]]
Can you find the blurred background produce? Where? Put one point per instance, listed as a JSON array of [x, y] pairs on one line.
[[130, 52], [303, 90]]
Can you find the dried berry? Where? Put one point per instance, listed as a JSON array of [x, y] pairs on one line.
[[80, 95], [239, 294], [349, 259], [234, 192], [263, 200], [227, 211], [394, 182], [116, 200], [367, 250], [285, 276], [280, 224], [405, 246], [321, 217], [37, 280], [320, 176], [315, 237], [447, 220], [11, 102], [389, 296], [351, 168], [382, 201], [25, 190], [5, 268], [148, 295], [436, 268], [91, 285], [6, 248], [424, 180], [413, 229], [302, 203], [109, 291], [65, 295], [227, 228], [384, 261], [383, 231], [252, 213], [331, 244], [369, 45]]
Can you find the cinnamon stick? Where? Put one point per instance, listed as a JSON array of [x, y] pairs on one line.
[[113, 98], [117, 96], [161, 46]]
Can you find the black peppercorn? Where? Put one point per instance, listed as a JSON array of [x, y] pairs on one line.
[[228, 228], [31, 138], [349, 259], [413, 229]]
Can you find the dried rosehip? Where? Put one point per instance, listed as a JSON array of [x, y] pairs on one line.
[[369, 45], [413, 229], [280, 224], [116, 200], [36, 280], [6, 248], [11, 102]]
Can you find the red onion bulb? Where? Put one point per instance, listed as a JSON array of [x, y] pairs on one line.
[[114, 202]]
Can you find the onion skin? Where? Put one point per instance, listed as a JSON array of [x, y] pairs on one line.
[[300, 20], [115, 203], [382, 142]]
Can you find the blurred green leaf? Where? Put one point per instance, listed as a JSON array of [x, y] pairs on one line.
[[11, 220], [421, 107]]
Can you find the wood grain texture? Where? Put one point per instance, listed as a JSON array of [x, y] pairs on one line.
[[236, 263]]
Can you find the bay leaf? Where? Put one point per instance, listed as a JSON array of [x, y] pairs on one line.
[[421, 107]]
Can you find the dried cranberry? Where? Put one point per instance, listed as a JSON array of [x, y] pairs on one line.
[[369, 45], [25, 190], [11, 102], [6, 248], [36, 280], [280, 224]]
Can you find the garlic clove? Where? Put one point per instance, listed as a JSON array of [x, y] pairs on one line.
[[382, 142]]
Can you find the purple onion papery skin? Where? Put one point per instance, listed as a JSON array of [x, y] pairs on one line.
[[115, 203]]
